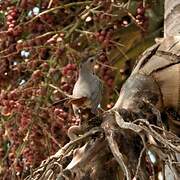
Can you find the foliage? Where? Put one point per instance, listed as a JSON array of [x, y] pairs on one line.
[[41, 43]]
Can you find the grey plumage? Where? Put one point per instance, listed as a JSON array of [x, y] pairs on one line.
[[88, 85]]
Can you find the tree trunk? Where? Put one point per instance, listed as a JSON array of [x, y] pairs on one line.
[[172, 18], [158, 71]]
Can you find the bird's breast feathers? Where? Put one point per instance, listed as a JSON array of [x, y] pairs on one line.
[[85, 88]]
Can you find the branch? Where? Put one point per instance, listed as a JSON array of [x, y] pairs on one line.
[[44, 169], [57, 8]]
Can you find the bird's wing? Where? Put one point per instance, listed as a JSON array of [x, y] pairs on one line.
[[96, 93], [90, 88], [81, 89]]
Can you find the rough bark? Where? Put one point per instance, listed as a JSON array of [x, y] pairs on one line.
[[171, 18]]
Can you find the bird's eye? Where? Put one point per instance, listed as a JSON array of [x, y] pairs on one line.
[[91, 60]]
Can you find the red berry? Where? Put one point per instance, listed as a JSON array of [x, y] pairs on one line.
[[9, 18], [13, 14], [65, 114], [64, 71], [73, 66], [69, 66], [45, 66], [11, 25], [106, 77], [10, 31], [110, 82], [69, 72], [103, 32], [101, 38], [97, 34], [140, 10], [11, 103], [139, 17], [65, 87], [105, 43], [37, 74], [57, 111]]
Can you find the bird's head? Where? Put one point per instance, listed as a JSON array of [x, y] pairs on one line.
[[88, 64]]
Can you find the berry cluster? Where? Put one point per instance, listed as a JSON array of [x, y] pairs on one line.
[[106, 73], [60, 116], [69, 75], [11, 104], [102, 17], [11, 17], [51, 121], [140, 17], [104, 37]]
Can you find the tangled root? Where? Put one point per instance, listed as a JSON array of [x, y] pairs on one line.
[[114, 139]]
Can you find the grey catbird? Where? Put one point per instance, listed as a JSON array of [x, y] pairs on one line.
[[87, 94], [87, 86]]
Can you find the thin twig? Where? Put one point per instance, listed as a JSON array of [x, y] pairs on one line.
[[157, 136], [57, 8], [61, 91], [122, 52], [50, 3], [106, 65]]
